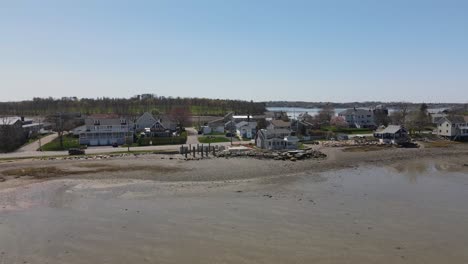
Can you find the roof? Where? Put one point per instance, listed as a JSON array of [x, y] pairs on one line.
[[391, 129], [306, 124], [280, 123], [103, 116], [146, 115], [245, 123], [355, 111], [277, 131], [32, 125], [106, 121], [291, 138], [242, 117], [9, 120], [216, 121], [456, 119]]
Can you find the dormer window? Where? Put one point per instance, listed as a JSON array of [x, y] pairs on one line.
[[97, 122], [123, 121]]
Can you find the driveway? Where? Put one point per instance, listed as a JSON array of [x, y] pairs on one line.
[[35, 145], [192, 136]]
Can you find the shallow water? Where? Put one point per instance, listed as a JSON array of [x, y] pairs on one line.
[[413, 212]]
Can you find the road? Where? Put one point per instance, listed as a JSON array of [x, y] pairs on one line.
[[102, 150], [32, 147]]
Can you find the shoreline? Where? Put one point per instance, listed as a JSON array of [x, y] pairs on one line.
[[174, 168]]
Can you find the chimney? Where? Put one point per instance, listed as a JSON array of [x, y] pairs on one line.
[[22, 118]]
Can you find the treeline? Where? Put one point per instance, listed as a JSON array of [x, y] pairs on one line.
[[395, 105], [126, 106]]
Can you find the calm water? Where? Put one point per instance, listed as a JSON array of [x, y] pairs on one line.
[[407, 213], [296, 111]]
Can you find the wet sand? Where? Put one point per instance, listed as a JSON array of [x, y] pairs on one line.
[[381, 207]]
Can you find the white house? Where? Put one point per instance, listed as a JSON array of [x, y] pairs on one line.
[[215, 126], [276, 139], [435, 118], [453, 127], [101, 131], [246, 129], [358, 118]]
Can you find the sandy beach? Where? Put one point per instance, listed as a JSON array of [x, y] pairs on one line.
[[384, 206]]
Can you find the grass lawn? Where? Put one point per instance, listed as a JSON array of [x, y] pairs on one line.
[[215, 134], [366, 148], [31, 140], [213, 139], [348, 130], [440, 144], [68, 142]]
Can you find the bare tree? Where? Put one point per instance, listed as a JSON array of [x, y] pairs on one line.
[[338, 122], [62, 123], [181, 114], [325, 115], [399, 117]]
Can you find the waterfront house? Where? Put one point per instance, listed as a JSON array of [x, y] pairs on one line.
[[453, 127], [158, 130], [358, 118], [435, 118], [145, 121], [392, 134], [246, 129], [215, 126], [279, 124], [276, 139], [101, 131]]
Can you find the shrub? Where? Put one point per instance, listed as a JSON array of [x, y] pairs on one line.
[[155, 141]]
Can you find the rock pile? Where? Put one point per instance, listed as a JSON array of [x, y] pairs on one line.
[[275, 155], [348, 143]]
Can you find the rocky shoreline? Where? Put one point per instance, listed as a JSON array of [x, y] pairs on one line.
[[293, 155]]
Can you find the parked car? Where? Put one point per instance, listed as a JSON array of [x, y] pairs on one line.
[[230, 135], [115, 145], [75, 151]]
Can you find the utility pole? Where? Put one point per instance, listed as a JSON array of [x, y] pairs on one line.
[[232, 120]]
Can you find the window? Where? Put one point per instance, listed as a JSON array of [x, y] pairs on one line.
[[97, 122]]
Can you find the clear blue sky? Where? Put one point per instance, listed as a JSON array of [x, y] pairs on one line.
[[412, 50]]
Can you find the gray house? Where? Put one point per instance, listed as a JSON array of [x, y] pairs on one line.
[[392, 134], [146, 120]]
